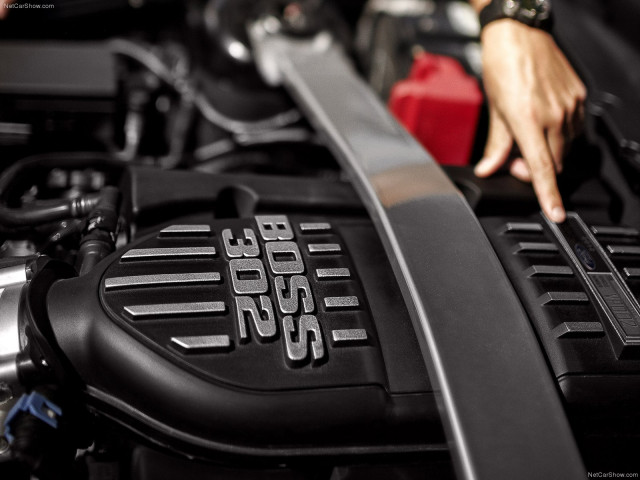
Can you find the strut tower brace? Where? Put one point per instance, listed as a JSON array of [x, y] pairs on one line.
[[499, 404]]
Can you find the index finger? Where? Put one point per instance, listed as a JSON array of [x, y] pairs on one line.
[[535, 149]]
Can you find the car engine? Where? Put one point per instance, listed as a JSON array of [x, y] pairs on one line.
[[222, 257]]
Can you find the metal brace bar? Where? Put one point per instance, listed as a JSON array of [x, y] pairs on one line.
[[499, 403]]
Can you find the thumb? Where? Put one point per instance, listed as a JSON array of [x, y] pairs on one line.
[[499, 143]]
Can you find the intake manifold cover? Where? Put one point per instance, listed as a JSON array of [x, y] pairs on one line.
[[246, 332]]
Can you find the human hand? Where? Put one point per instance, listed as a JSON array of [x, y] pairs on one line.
[[4, 11], [535, 99]]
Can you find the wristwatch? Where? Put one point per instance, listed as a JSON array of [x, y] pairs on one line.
[[535, 13]]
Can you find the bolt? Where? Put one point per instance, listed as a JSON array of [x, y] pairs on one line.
[[271, 24], [6, 393]]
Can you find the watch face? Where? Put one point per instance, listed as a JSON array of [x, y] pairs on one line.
[[511, 7], [528, 11]]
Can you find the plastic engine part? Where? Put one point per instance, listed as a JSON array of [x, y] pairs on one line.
[[263, 336], [439, 104]]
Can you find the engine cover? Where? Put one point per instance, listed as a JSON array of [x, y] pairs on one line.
[[579, 284], [272, 335]]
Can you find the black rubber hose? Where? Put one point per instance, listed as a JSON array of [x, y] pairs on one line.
[[156, 66], [77, 207], [99, 238], [28, 216]]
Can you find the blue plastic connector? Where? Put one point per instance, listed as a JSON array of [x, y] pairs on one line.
[[34, 404]]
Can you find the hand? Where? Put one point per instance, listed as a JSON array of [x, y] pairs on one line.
[[536, 99], [4, 11]]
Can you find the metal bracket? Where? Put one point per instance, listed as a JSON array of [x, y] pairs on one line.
[[12, 281], [499, 403]]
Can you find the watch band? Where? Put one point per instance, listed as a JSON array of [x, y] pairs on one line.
[[533, 16]]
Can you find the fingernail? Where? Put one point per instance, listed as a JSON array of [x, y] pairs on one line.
[[482, 167], [558, 215]]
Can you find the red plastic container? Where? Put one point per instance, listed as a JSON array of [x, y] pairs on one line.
[[439, 104]]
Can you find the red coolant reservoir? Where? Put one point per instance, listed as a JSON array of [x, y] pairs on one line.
[[439, 104]]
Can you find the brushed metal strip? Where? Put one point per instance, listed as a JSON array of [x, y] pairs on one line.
[[632, 272], [341, 302], [315, 227], [623, 250], [558, 298], [168, 253], [523, 227], [548, 271], [578, 329], [202, 342], [536, 247], [175, 309], [614, 231], [186, 230], [348, 336], [320, 248], [160, 280], [329, 273]]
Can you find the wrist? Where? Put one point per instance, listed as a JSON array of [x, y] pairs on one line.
[[533, 13], [507, 31], [478, 5]]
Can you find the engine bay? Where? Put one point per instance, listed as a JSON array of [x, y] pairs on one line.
[[223, 258]]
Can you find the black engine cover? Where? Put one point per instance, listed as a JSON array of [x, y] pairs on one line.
[[272, 335], [580, 285]]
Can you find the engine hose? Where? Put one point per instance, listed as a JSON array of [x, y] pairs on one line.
[[77, 207], [156, 66], [98, 240], [30, 216]]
